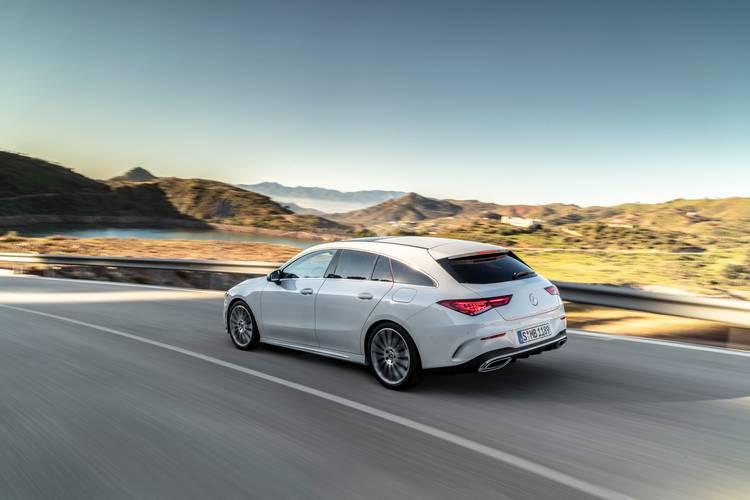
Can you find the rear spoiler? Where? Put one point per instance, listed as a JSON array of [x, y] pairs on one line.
[[463, 249], [488, 253]]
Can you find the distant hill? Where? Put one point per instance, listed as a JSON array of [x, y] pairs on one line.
[[321, 198], [302, 210], [30, 188], [135, 174], [410, 207]]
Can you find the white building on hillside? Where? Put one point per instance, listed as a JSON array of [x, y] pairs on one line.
[[520, 221]]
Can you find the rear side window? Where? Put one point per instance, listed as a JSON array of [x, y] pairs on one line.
[[405, 274], [355, 265], [382, 271], [488, 268]]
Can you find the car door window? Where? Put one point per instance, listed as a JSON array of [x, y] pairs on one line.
[[355, 265], [382, 271], [309, 266], [407, 275]]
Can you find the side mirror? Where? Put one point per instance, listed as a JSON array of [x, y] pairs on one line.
[[274, 276]]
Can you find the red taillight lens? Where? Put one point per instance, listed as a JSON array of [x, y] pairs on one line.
[[552, 290], [472, 307], [499, 301]]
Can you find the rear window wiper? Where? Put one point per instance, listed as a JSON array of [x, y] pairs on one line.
[[520, 274]]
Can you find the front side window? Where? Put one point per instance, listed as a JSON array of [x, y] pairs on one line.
[[355, 265], [410, 276], [309, 266]]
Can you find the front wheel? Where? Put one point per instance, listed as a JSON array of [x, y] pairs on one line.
[[393, 357], [241, 325]]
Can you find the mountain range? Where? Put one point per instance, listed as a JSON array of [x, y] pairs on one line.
[[322, 199], [34, 190]]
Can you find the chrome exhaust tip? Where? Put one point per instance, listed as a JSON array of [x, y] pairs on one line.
[[494, 364]]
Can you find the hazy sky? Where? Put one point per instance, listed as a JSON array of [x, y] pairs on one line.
[[587, 102]]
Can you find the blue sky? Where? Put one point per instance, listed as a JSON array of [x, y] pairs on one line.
[[514, 102]]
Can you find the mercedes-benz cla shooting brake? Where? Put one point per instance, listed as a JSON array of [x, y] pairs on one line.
[[401, 305]]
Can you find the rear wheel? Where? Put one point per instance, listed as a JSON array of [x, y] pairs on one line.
[[393, 357], [242, 328]]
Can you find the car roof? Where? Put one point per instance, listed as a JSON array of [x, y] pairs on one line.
[[437, 247]]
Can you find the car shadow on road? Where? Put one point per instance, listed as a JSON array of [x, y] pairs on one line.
[[570, 381], [556, 377]]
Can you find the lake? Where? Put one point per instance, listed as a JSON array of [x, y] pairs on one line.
[[163, 234]]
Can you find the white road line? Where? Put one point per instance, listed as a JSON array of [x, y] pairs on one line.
[[666, 343], [501, 456], [118, 283]]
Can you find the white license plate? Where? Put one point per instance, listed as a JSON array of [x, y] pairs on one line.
[[534, 333]]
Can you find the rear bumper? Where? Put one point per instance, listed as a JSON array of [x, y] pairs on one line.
[[494, 360]]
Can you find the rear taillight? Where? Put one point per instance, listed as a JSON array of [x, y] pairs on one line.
[[472, 307], [552, 290]]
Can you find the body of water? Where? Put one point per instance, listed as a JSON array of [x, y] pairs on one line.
[[163, 234]]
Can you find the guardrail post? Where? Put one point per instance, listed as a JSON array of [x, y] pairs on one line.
[[737, 335]]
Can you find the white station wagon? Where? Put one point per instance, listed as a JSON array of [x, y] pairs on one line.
[[401, 305]]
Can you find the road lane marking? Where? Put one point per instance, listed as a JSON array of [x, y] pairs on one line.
[[666, 343], [96, 297], [499, 455], [118, 283]]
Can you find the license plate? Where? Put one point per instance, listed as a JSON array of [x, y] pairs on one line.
[[534, 333]]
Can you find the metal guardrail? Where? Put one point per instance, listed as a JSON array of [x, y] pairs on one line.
[[216, 266], [726, 311], [730, 312]]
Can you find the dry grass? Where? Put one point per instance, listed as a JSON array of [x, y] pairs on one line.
[[166, 249]]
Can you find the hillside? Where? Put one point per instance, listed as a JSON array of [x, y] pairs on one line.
[[208, 200], [23, 175], [717, 217], [408, 208], [33, 189], [677, 225], [218, 202], [135, 174]]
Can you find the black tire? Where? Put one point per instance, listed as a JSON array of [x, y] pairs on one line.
[[239, 318], [393, 357]]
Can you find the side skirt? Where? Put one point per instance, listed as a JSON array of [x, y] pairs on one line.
[[346, 356]]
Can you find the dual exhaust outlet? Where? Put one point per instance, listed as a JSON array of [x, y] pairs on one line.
[[500, 362]]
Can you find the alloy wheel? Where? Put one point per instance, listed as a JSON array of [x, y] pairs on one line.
[[389, 354], [241, 326]]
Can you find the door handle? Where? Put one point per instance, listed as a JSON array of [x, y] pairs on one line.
[[364, 296], [306, 291]]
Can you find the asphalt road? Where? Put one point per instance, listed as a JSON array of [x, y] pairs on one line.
[[132, 392]]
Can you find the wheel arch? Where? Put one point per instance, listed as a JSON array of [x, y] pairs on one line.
[[250, 309], [371, 330]]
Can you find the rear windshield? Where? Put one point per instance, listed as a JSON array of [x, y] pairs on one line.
[[487, 268]]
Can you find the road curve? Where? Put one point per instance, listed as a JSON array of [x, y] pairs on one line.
[[113, 391]]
